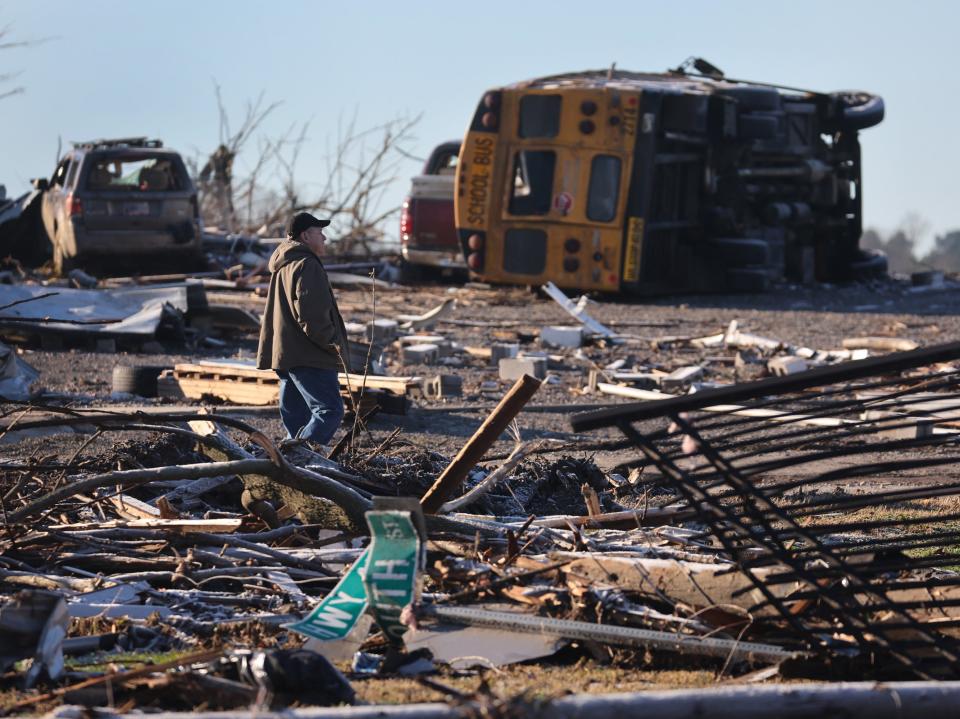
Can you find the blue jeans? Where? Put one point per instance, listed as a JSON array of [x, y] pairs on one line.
[[310, 403]]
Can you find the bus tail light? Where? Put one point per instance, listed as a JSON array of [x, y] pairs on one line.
[[74, 205], [571, 264], [475, 243], [475, 261], [487, 117]]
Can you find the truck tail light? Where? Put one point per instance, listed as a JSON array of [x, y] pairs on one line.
[[406, 220], [74, 205]]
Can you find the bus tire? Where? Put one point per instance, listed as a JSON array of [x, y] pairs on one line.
[[869, 265], [858, 110], [748, 279], [739, 251], [141, 381]]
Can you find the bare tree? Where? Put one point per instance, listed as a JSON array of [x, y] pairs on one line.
[[6, 77], [215, 178], [359, 168]]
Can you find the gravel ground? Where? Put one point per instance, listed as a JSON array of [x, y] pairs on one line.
[[818, 317]]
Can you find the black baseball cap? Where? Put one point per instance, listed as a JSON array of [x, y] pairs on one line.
[[303, 221]]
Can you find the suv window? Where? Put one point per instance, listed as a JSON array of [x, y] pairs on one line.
[[604, 188], [146, 174], [532, 182], [60, 174], [72, 174]]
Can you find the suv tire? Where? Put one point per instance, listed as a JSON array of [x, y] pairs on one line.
[[141, 381]]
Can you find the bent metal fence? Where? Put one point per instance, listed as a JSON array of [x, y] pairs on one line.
[[835, 491]]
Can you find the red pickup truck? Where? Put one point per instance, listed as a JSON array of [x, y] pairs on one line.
[[428, 235]]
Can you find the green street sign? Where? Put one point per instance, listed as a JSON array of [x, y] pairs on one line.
[[392, 569], [384, 579], [340, 610]]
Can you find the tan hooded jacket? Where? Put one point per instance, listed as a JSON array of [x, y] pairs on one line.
[[302, 326]]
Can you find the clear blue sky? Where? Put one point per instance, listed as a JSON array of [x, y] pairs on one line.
[[115, 68]]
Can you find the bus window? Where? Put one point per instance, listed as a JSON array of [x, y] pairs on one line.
[[532, 182], [604, 188], [524, 251], [539, 116]]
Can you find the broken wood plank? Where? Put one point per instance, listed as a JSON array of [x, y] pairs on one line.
[[132, 508], [175, 525], [473, 451], [760, 413], [880, 344]]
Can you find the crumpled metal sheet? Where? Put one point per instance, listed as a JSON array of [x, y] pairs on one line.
[[16, 376], [34, 625], [139, 309]]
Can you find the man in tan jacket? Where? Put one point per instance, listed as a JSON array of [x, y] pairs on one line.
[[302, 337]]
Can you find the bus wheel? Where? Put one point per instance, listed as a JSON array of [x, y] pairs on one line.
[[870, 265]]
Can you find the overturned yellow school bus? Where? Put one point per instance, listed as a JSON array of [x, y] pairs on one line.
[[650, 183]]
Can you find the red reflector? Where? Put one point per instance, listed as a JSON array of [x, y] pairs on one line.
[[475, 242]]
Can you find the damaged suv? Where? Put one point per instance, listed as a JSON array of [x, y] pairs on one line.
[[121, 200]]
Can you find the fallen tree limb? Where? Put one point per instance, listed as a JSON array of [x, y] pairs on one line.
[[135, 477], [315, 498], [852, 700], [492, 479]]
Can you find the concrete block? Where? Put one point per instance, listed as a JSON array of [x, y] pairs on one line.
[[420, 354], [896, 426], [782, 366], [383, 330], [444, 385], [681, 378], [643, 380], [503, 350], [919, 429], [562, 336], [513, 368], [422, 339]]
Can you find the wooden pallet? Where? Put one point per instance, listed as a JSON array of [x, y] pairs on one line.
[[247, 385]]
